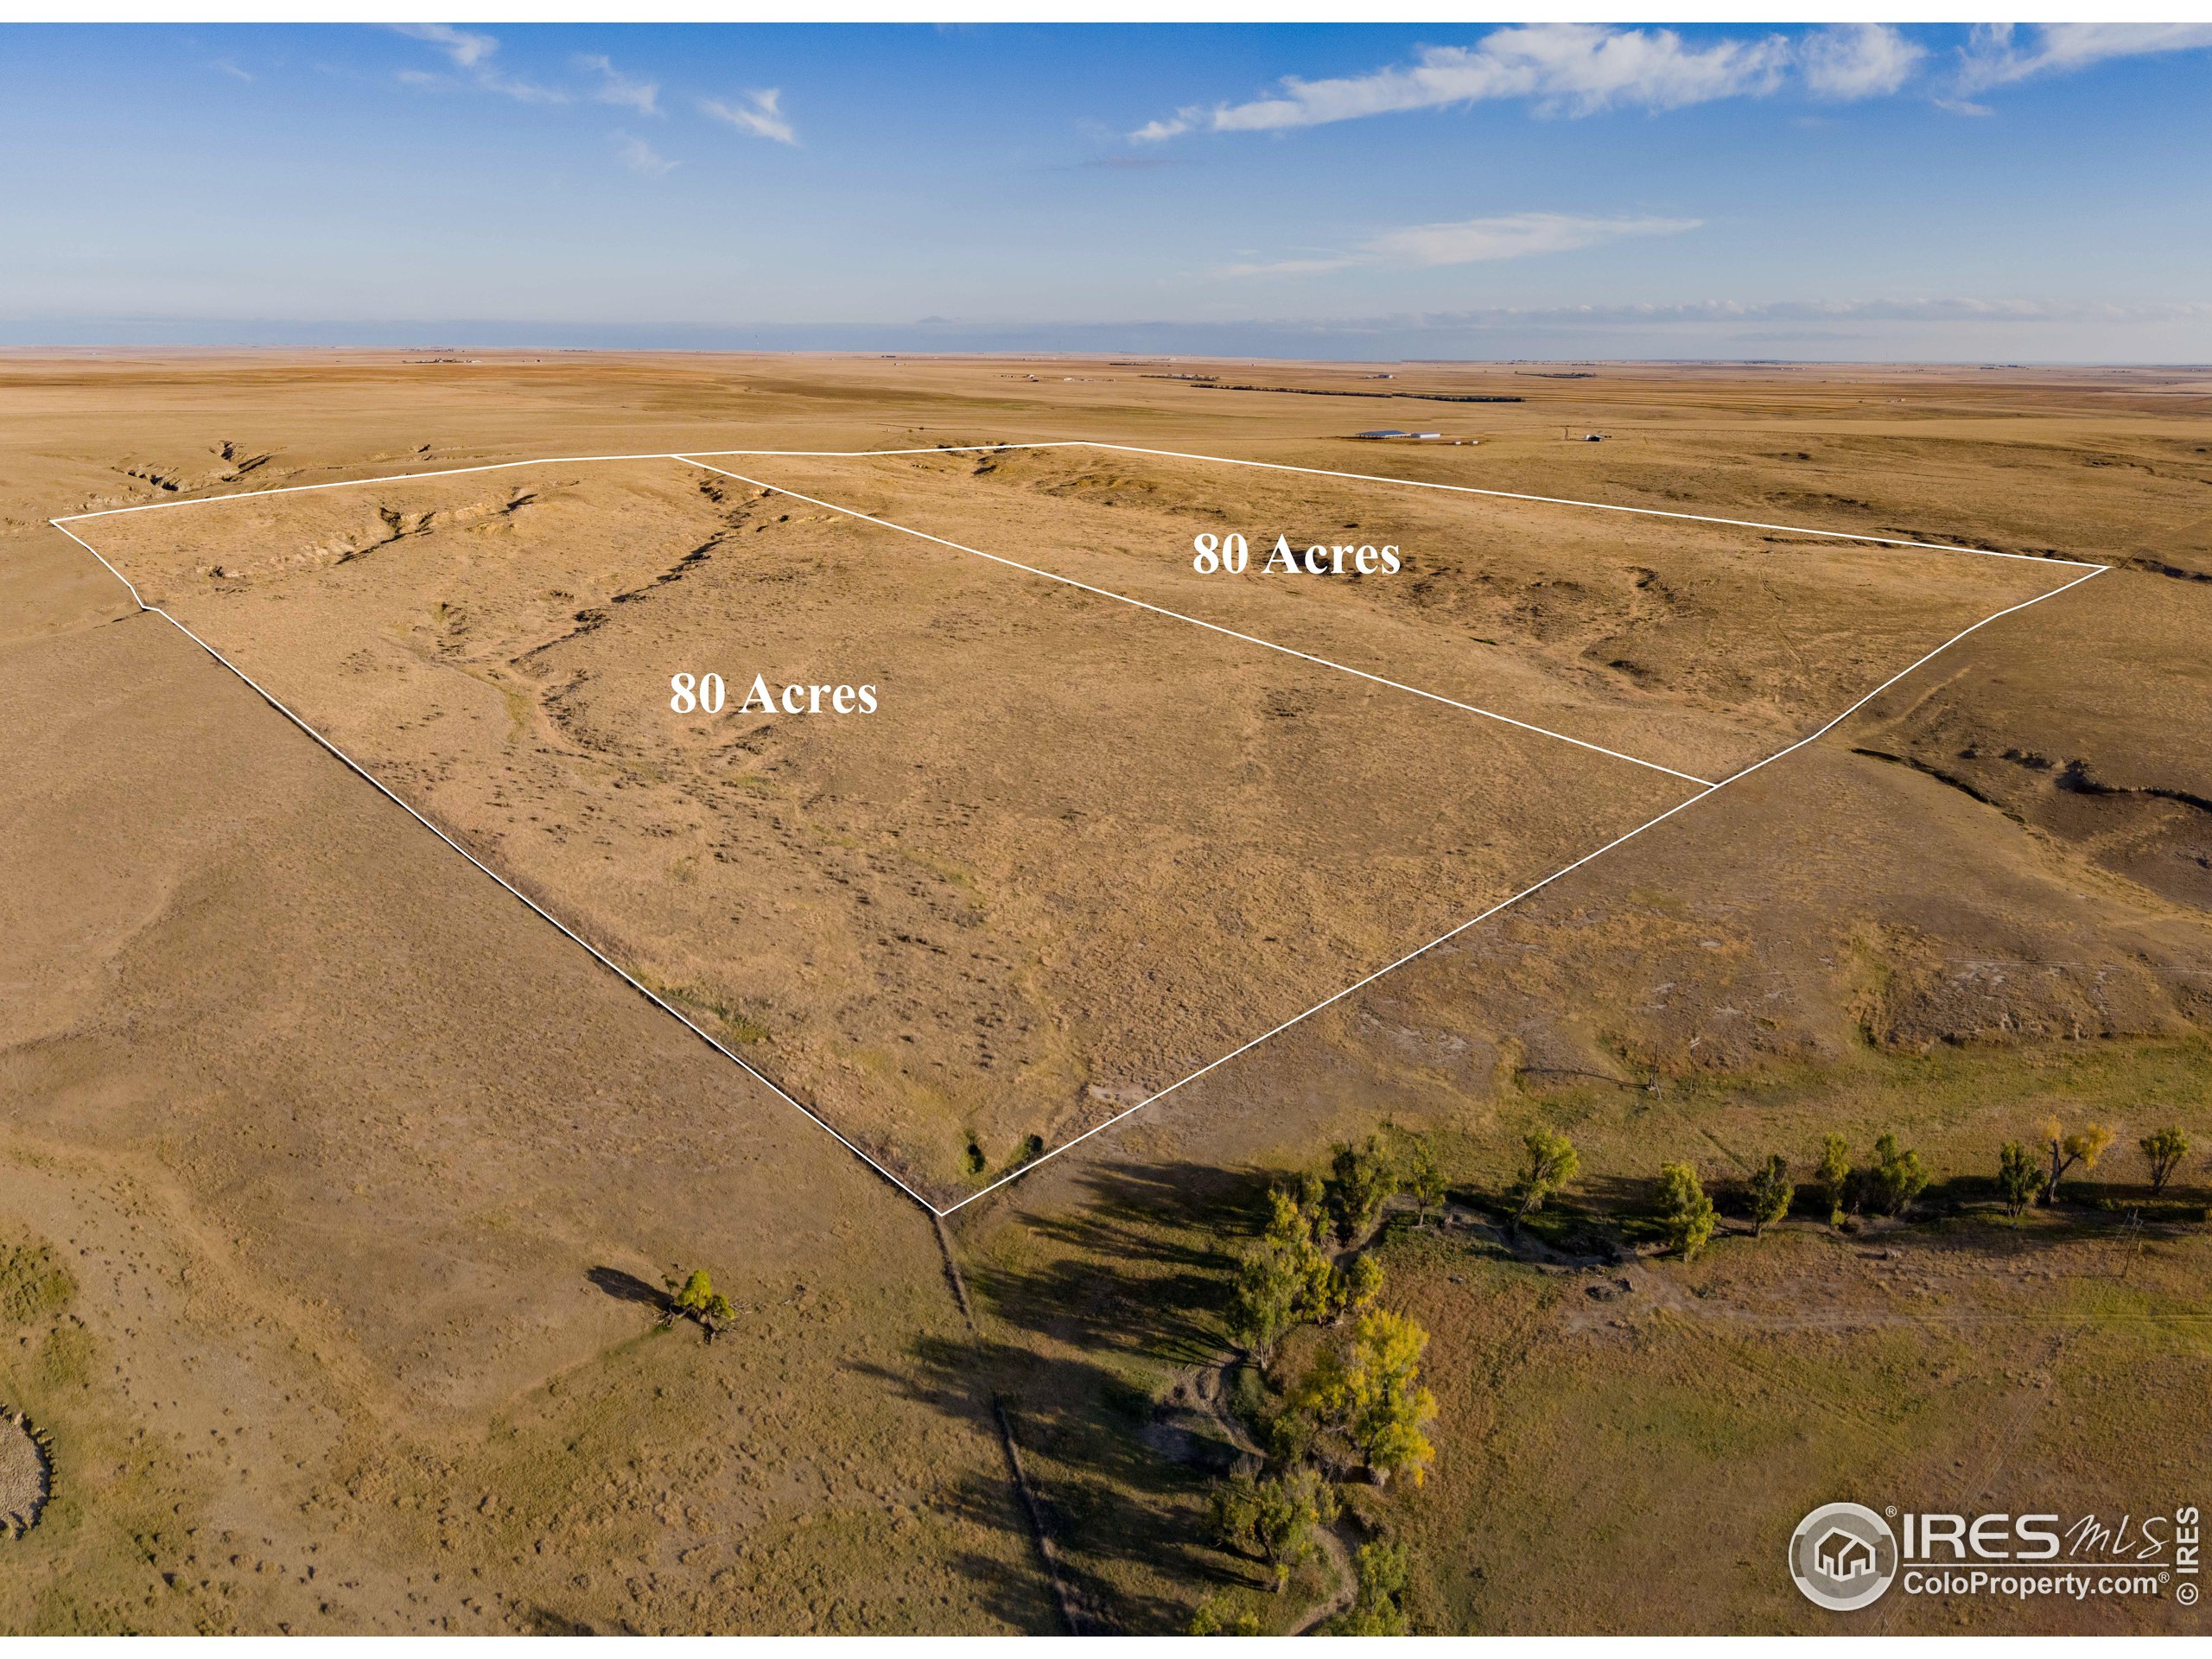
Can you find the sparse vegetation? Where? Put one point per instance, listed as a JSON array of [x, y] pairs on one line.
[[32, 1285]]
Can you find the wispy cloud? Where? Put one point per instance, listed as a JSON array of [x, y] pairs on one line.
[[760, 114], [465, 46], [616, 87], [1569, 69], [641, 157], [470, 53], [224, 67], [1998, 54], [1473, 241], [1854, 60]]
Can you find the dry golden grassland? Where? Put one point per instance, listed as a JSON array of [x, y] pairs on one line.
[[337, 1188]]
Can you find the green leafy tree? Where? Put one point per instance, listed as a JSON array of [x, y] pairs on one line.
[[1275, 1519], [1265, 1302], [1686, 1210], [698, 1300], [1211, 1616], [2165, 1149], [1378, 1606], [1548, 1162], [1361, 1181], [2019, 1178], [1896, 1178], [1359, 1285], [1424, 1179], [1833, 1174], [1372, 1394], [1283, 1280], [2084, 1148], [1771, 1194]]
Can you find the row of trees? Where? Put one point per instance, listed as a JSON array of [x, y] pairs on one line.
[[1886, 1184]]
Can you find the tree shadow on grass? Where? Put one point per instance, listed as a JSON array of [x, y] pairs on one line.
[[627, 1287], [1142, 1263], [1123, 1281]]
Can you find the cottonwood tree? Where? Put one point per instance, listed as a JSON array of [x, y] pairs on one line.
[[2019, 1178], [1361, 1181], [1686, 1210], [1833, 1174], [1274, 1519], [699, 1301], [1896, 1178], [1283, 1280], [1211, 1616], [1371, 1392], [1771, 1194], [1424, 1180], [1547, 1164], [1357, 1287], [2084, 1148], [2165, 1149], [1378, 1606]]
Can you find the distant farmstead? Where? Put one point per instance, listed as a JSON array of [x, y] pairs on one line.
[[1381, 432]]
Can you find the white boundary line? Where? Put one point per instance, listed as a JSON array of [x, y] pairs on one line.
[[600, 956], [1161, 610], [1705, 788]]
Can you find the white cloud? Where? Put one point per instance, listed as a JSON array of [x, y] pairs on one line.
[[1996, 56], [471, 52], [641, 157], [761, 115], [1855, 60], [466, 47], [616, 87], [1573, 69], [1473, 241], [523, 91]]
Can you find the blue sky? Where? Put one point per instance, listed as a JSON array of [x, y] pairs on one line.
[[1423, 190]]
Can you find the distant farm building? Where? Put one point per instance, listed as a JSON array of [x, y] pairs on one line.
[[1381, 432]]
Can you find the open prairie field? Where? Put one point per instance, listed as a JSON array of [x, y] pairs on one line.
[[340, 1192]]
